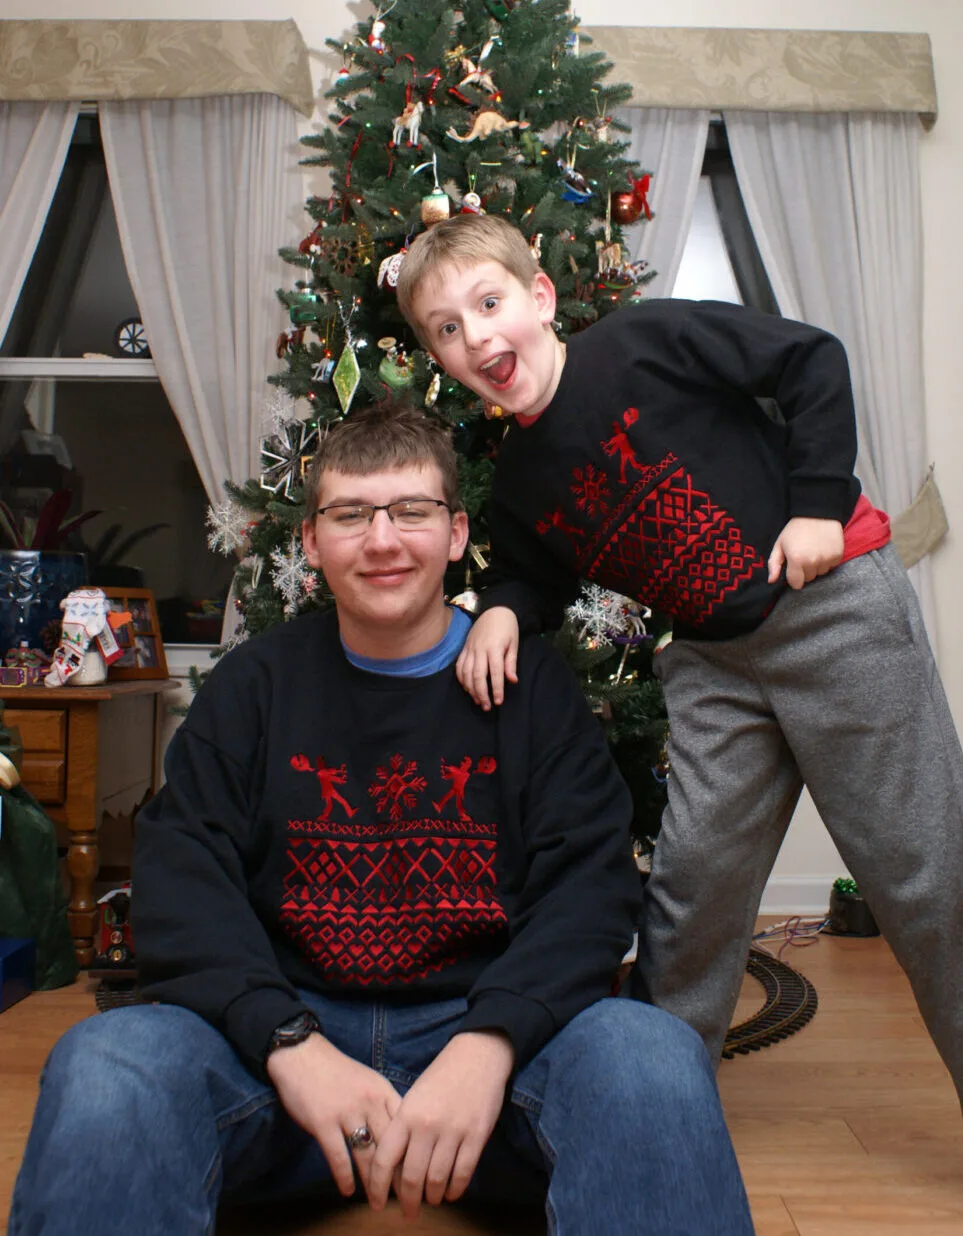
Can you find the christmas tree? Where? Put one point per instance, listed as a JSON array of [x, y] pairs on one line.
[[496, 106]]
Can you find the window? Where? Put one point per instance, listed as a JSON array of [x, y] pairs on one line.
[[82, 410], [721, 260]]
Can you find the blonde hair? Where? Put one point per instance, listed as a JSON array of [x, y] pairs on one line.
[[464, 240], [388, 434]]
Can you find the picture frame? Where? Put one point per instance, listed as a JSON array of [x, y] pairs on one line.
[[141, 640]]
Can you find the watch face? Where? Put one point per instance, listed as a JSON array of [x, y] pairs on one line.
[[294, 1031]]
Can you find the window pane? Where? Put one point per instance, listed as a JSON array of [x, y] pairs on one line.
[[705, 272], [76, 294], [118, 448]]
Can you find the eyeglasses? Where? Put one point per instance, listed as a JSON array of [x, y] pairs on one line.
[[407, 515]]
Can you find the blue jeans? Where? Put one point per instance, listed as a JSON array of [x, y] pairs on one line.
[[147, 1119]]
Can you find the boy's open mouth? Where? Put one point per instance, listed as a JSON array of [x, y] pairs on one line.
[[500, 370]]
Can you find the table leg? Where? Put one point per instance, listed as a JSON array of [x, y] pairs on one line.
[[82, 811], [83, 863]]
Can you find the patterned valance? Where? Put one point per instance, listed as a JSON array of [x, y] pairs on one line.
[[772, 70], [96, 60]]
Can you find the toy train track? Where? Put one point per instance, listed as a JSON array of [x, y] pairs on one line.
[[790, 1004]]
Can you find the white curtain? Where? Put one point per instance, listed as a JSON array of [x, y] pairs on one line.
[[670, 143], [834, 202], [201, 188], [34, 138]]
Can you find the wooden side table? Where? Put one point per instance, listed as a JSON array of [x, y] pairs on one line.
[[87, 750]]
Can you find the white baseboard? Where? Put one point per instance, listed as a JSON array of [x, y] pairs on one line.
[[806, 895]]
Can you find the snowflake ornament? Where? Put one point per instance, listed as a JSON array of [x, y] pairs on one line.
[[278, 410], [286, 455], [228, 523], [292, 576], [607, 617]]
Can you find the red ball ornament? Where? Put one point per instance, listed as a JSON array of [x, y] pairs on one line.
[[626, 207]]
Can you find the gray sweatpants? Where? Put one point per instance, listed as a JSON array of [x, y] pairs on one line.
[[838, 690]]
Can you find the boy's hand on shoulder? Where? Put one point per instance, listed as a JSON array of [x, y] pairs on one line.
[[433, 1144], [490, 652], [330, 1096], [806, 548]]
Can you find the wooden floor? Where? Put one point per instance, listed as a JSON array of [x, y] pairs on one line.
[[849, 1128]]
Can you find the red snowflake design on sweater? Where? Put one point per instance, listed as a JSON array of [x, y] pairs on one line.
[[590, 488], [397, 787]]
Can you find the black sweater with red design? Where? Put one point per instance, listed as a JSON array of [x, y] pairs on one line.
[[658, 471], [347, 832]]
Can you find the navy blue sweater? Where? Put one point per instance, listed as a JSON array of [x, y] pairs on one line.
[[682, 438], [346, 832]]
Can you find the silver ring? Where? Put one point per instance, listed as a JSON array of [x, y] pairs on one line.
[[360, 1139]]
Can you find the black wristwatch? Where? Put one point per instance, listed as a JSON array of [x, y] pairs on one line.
[[293, 1031]]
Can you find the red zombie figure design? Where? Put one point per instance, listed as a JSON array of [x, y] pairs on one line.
[[458, 775], [328, 778], [620, 445], [557, 520]]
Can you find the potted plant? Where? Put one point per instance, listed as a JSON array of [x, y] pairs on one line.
[[849, 915], [36, 571]]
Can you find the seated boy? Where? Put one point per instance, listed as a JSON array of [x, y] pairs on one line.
[[380, 926], [640, 457]]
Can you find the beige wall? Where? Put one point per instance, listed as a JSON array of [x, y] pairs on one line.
[[808, 860]]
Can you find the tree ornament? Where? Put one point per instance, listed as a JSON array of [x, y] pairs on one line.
[[229, 523], [434, 386], [390, 268], [324, 370], [625, 209], [628, 205], [277, 409], [289, 339], [436, 205], [285, 456], [484, 123], [292, 576], [347, 372], [499, 9], [471, 204], [467, 600], [409, 121], [396, 370], [474, 75], [494, 411], [304, 307], [577, 188], [347, 375], [376, 39]]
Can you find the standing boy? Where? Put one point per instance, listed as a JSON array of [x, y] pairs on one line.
[[643, 459], [381, 926]]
